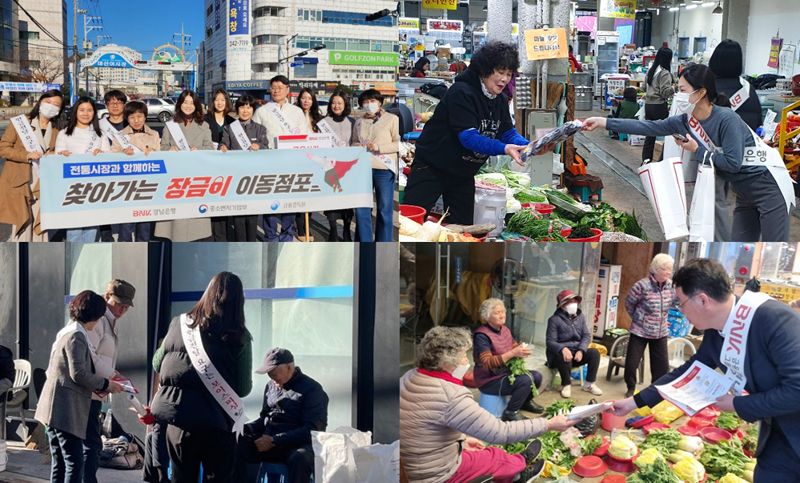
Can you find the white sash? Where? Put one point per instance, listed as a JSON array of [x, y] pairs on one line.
[[26, 134], [94, 143], [177, 136], [740, 96], [112, 133], [241, 136], [763, 155], [735, 333], [216, 385], [325, 127], [285, 126], [389, 162]]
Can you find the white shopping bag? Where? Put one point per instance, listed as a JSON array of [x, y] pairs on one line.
[[702, 210], [663, 185], [346, 455]]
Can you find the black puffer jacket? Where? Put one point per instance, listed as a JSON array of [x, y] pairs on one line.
[[183, 400]]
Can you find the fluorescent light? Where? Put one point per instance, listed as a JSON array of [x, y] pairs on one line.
[[708, 4], [674, 9], [691, 7]]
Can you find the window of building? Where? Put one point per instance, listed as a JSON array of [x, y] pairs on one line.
[[354, 18], [309, 15], [209, 10], [28, 35], [269, 39], [268, 12]]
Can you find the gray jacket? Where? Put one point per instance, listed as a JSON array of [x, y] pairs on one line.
[[197, 135], [660, 91], [67, 393]]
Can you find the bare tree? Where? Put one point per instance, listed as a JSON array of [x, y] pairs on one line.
[[45, 68]]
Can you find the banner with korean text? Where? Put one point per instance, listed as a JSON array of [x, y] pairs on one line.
[[81, 190]]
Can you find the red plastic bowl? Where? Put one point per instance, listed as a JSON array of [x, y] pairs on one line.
[[594, 238], [700, 423], [589, 467], [714, 435], [622, 466], [544, 208], [711, 412], [416, 213], [602, 450], [687, 430], [654, 427], [614, 479]]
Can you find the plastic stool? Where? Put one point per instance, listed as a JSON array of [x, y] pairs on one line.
[[586, 194], [272, 472], [494, 404]]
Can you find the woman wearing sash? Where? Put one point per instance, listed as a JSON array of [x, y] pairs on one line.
[[754, 341], [219, 115], [243, 228], [19, 179], [339, 123], [716, 134], [67, 393], [379, 132], [659, 92], [145, 140], [193, 133], [307, 101], [201, 387], [81, 137]]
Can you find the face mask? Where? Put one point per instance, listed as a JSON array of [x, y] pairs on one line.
[[682, 103], [372, 107], [48, 110], [571, 309], [460, 371]]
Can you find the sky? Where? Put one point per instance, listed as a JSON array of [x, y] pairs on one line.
[[143, 24]]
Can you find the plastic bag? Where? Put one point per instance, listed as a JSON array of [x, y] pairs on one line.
[[666, 412], [346, 455]]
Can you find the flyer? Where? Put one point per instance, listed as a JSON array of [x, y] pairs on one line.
[[698, 387], [581, 412]]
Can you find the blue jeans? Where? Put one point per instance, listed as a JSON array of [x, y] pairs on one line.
[[125, 231], [383, 184], [85, 235], [66, 451], [288, 228], [92, 444]]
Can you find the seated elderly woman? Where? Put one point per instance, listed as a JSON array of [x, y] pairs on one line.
[[442, 428], [493, 347], [568, 338]]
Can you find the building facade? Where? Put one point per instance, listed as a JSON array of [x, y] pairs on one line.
[[247, 42], [43, 58], [9, 46]]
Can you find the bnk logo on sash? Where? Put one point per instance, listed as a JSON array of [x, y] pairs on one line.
[[83, 190]]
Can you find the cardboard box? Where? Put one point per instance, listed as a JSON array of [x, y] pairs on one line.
[[606, 302], [658, 150]]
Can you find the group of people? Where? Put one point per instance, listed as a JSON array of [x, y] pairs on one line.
[[714, 117], [80, 132], [203, 367], [445, 434]]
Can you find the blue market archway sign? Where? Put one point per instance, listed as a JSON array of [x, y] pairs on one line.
[[111, 59]]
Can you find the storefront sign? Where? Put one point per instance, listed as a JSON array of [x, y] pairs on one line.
[[546, 44], [618, 9], [381, 59], [239, 17], [109, 59], [239, 42], [440, 4], [406, 23], [251, 85], [110, 188], [774, 53], [434, 25], [27, 87]]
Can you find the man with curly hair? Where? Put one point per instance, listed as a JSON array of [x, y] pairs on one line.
[[471, 123]]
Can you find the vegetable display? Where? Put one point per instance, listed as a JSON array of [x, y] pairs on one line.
[[581, 231], [728, 421], [530, 224], [516, 448], [664, 440], [750, 441], [566, 202], [607, 218], [725, 457], [658, 472], [689, 470], [555, 451], [622, 448], [590, 444], [648, 457]]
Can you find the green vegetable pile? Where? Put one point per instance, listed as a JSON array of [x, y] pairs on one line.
[[555, 451], [516, 448], [591, 443], [607, 218], [722, 458], [517, 367], [658, 472], [581, 231], [559, 407], [750, 440], [728, 421], [530, 196], [664, 440], [530, 224]]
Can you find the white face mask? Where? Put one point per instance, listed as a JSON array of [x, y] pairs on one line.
[[682, 103], [48, 110], [372, 107], [460, 371], [571, 309]]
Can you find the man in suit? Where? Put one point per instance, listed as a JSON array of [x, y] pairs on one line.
[[769, 369], [294, 405]]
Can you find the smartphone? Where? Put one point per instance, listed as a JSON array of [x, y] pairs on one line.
[[680, 137]]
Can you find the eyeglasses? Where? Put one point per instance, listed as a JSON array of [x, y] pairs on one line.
[[681, 304], [115, 103]]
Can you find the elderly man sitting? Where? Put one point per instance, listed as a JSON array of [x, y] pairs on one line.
[[294, 405]]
